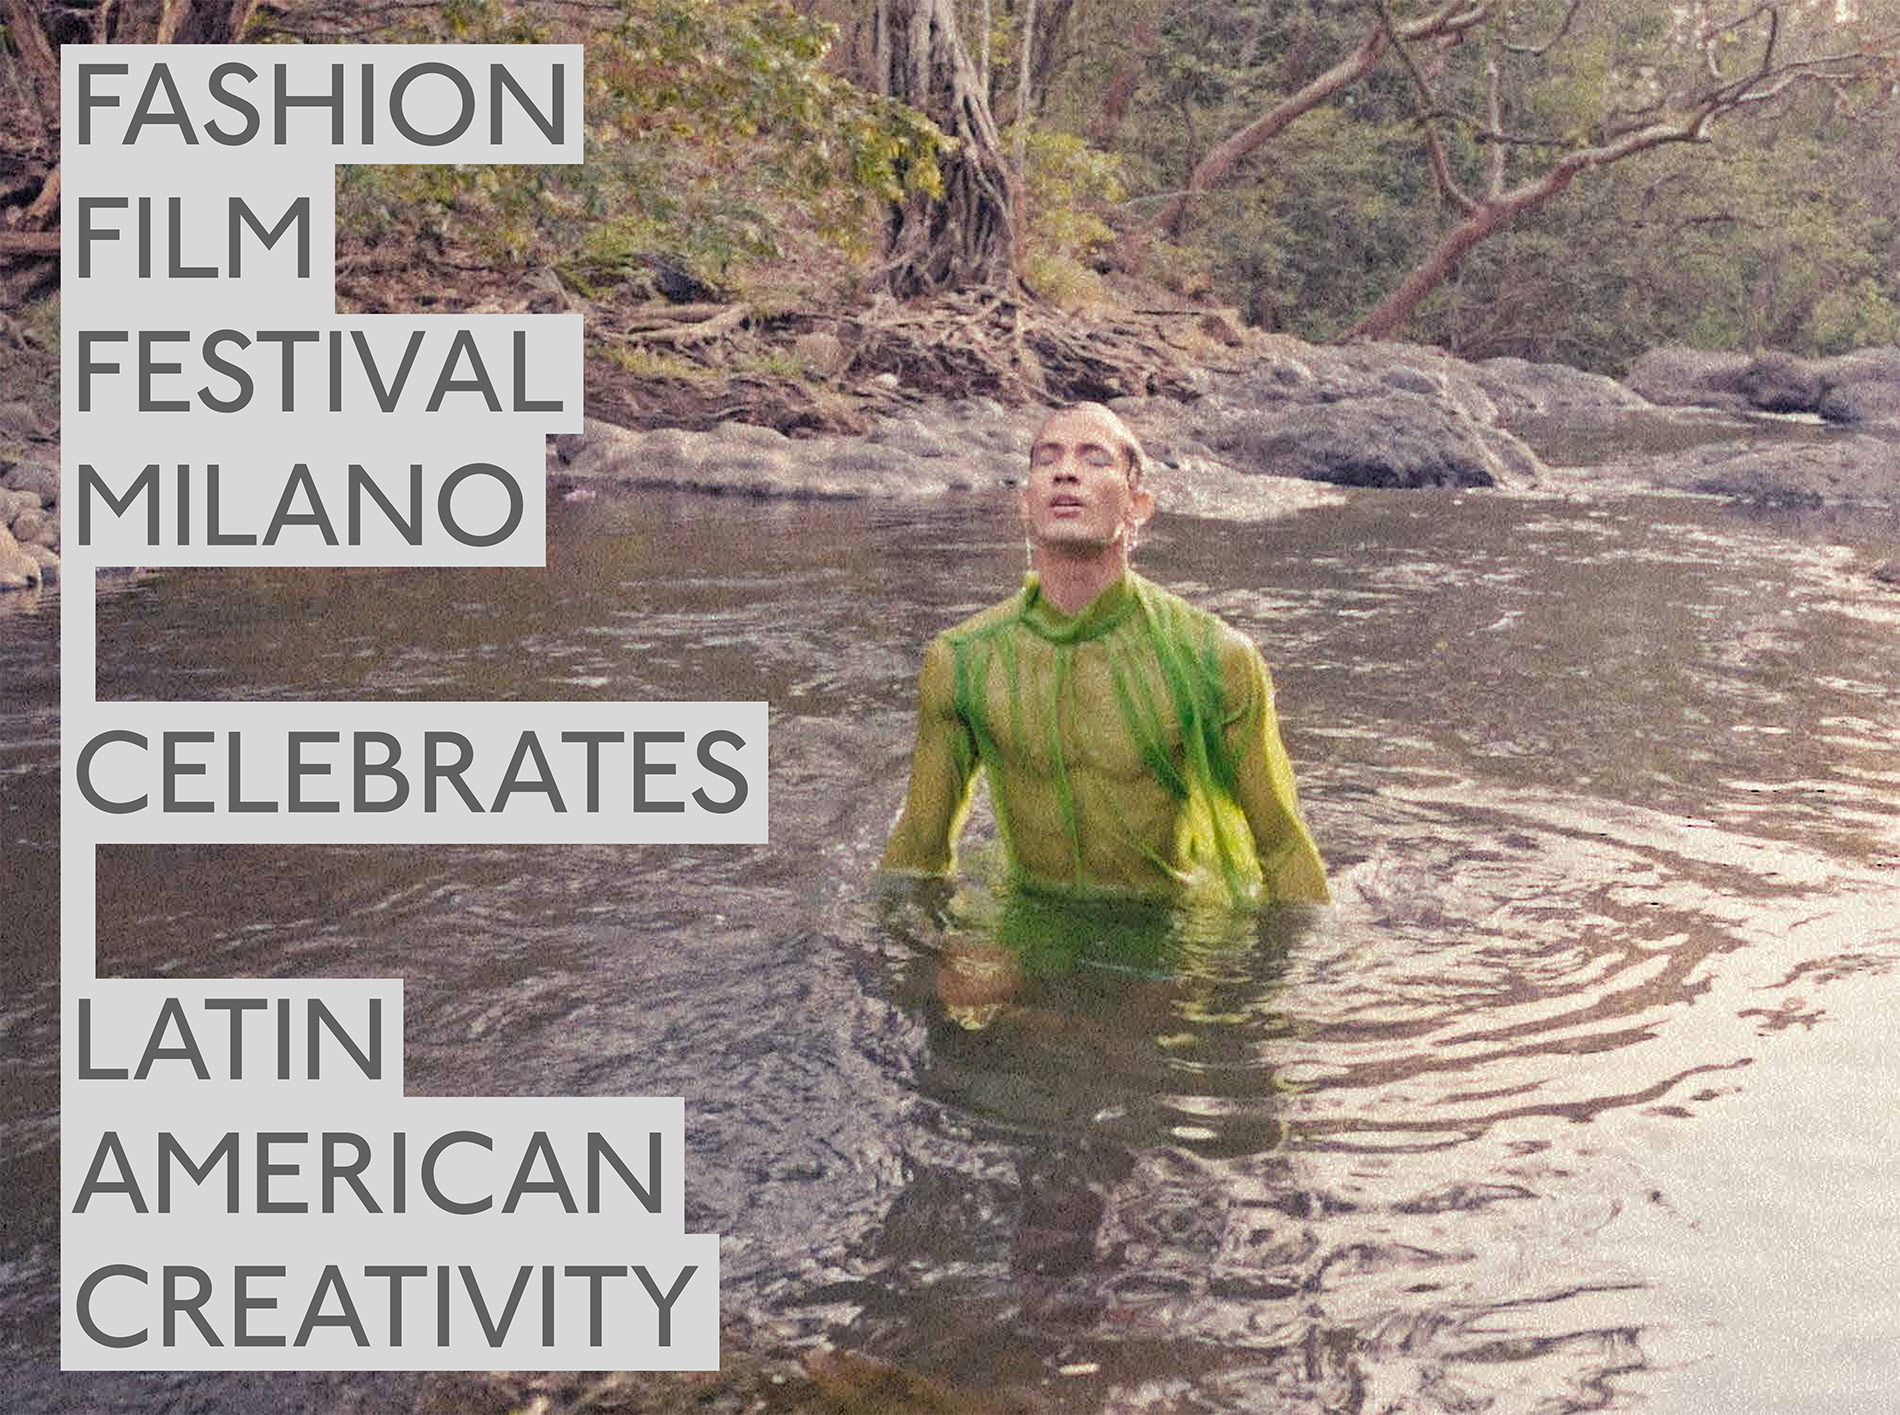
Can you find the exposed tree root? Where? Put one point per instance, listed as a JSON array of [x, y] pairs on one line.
[[654, 363]]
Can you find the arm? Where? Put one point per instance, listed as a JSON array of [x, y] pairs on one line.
[[1263, 782], [942, 770]]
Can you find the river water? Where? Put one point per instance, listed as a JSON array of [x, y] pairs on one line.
[[1581, 1096]]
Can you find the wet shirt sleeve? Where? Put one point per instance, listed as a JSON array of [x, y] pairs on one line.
[[1290, 866], [942, 770]]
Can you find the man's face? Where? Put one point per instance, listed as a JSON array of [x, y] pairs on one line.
[[1077, 495]]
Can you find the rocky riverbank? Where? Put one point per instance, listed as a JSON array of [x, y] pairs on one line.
[[1274, 429], [1257, 439], [29, 463], [1861, 389]]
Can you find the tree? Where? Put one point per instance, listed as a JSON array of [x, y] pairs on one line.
[[1508, 105], [29, 158], [1449, 21], [963, 232], [1703, 70], [33, 68]]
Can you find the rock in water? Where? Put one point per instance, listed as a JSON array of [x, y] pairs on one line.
[[18, 570], [1401, 440]]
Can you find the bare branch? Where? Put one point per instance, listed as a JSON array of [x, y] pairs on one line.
[[1538, 51], [1518, 140], [29, 243], [1428, 107], [1626, 133], [1769, 7], [45, 206], [1494, 127], [1453, 18]]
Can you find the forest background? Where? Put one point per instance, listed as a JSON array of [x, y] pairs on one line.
[[1562, 180]]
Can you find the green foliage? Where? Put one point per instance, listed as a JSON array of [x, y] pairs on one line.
[[1853, 318], [724, 139], [1784, 231], [715, 135], [650, 363], [1067, 183], [1311, 245], [776, 363], [40, 319]]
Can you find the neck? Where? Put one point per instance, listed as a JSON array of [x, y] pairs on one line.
[[1072, 578]]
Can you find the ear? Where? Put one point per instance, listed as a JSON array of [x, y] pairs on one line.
[[1141, 505]]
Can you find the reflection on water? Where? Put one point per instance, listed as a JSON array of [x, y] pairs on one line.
[[1606, 786]]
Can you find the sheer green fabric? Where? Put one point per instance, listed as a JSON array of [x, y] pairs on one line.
[[1131, 749]]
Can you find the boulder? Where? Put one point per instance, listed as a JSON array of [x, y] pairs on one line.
[[1290, 373], [901, 458], [665, 457], [18, 570], [751, 437], [1407, 379], [982, 410], [1855, 468], [1781, 383], [21, 419], [824, 354], [1681, 378], [1397, 440], [40, 478], [913, 437], [1522, 390], [1862, 388], [35, 525], [1864, 402], [1417, 368], [1772, 382], [1879, 365]]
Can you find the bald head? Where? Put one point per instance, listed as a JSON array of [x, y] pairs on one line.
[[1099, 424]]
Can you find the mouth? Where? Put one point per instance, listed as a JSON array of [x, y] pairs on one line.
[[1059, 504]]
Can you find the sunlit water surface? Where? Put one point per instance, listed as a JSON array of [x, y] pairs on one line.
[[1581, 1097]]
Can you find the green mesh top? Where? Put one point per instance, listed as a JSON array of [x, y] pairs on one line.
[[1131, 749]]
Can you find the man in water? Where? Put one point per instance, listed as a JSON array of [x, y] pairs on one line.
[[1129, 738]]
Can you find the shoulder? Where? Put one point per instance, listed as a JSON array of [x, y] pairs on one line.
[[1243, 672], [985, 621], [938, 675], [1174, 612]]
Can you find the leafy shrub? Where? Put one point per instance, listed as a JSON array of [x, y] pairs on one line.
[[714, 135], [1067, 182]]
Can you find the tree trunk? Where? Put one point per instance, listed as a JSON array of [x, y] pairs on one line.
[[28, 244], [966, 237], [177, 21], [1482, 220], [983, 64], [1049, 20], [39, 64], [1022, 95], [29, 110], [1397, 307]]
